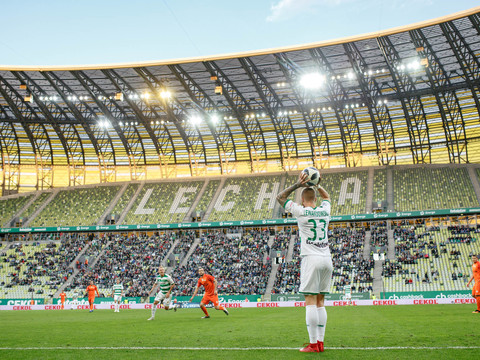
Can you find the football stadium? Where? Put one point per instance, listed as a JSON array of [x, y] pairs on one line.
[[110, 172]]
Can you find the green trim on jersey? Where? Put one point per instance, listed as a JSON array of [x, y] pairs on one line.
[[117, 289], [285, 203], [164, 282]]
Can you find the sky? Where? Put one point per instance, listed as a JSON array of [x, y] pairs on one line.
[[81, 32]]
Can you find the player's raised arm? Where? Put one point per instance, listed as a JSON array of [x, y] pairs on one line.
[[323, 193], [283, 196]]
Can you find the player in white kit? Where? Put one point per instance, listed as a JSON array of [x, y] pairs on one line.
[[316, 267], [117, 294], [164, 296]]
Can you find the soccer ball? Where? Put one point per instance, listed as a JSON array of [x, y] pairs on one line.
[[313, 176]]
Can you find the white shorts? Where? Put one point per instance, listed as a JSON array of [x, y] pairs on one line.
[[117, 298], [315, 275], [347, 297], [162, 299]]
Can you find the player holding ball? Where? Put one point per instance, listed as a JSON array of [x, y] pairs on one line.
[[316, 266]]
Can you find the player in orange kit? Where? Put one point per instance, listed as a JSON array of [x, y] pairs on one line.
[[211, 295], [62, 299], [91, 290], [476, 277]]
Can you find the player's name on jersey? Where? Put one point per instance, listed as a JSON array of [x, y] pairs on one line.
[[315, 213]]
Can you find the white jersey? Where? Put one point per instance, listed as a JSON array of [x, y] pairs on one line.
[[313, 227]]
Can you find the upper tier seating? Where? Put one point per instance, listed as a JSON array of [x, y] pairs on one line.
[[247, 198], [432, 188], [207, 196], [36, 204], [9, 206], [163, 202], [125, 199], [346, 189], [82, 206]]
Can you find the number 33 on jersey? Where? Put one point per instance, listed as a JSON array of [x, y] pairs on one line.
[[313, 225]]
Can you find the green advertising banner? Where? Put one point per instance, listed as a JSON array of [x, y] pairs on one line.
[[459, 294], [100, 300], [220, 224], [21, 301], [300, 297]]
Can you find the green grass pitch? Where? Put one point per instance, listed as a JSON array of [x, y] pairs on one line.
[[433, 331]]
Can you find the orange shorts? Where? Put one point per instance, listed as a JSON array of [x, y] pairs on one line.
[[476, 289], [91, 299], [212, 298]]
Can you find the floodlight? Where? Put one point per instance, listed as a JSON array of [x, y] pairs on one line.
[[312, 80]]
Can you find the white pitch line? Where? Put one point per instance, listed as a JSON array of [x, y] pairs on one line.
[[238, 348]]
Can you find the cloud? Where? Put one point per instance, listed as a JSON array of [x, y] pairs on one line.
[[286, 9]]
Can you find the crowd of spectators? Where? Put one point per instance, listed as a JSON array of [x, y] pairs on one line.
[[135, 259], [45, 265], [238, 263], [346, 247], [287, 279]]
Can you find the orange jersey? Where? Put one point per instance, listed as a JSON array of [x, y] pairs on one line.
[[62, 296], [476, 272], [91, 289], [208, 282]]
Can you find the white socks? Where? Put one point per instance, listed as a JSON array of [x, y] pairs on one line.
[[311, 318], [316, 319], [322, 322], [154, 309]]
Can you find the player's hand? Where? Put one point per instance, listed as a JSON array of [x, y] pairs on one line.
[[215, 292], [191, 299], [302, 180]]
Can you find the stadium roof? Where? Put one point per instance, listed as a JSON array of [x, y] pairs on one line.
[[402, 96]]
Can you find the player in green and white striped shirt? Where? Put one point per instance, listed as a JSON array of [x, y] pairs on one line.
[[117, 295], [164, 296], [347, 288]]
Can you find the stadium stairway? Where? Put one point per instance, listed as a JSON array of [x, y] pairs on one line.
[[190, 252], [75, 271], [369, 198], [271, 281], [170, 251], [92, 264], [214, 199], [196, 201], [377, 278], [474, 180], [366, 245], [130, 204], [269, 243], [291, 247], [114, 202], [277, 209], [25, 207], [391, 242], [390, 190], [43, 206]]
